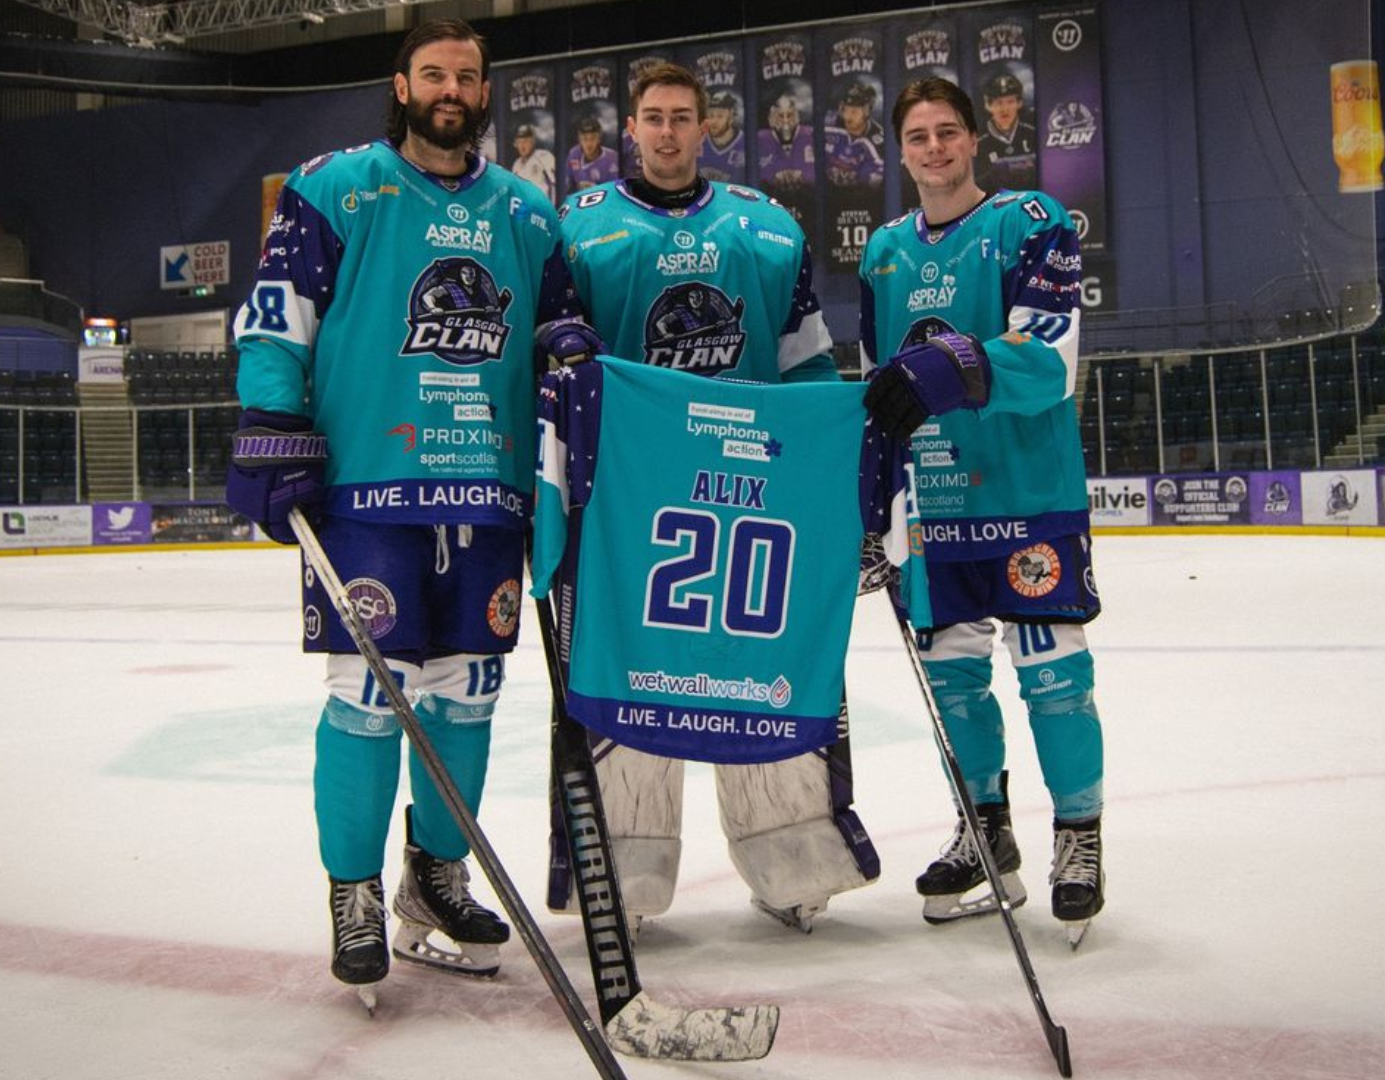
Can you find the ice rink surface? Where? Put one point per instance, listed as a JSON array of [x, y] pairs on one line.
[[163, 915]]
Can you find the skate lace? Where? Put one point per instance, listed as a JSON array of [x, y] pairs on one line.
[[959, 850], [359, 910], [1076, 858], [452, 881]]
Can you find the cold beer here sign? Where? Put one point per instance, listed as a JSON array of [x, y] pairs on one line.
[[184, 266]]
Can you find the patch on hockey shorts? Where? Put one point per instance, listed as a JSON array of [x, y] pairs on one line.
[[1034, 571], [502, 612], [374, 605]]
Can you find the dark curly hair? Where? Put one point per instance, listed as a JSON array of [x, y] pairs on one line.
[[396, 126]]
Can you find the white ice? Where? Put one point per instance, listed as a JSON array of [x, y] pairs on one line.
[[163, 914]]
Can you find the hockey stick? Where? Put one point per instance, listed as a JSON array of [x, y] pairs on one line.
[[1057, 1036], [635, 1024], [558, 982]]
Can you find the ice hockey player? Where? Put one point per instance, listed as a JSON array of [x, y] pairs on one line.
[[978, 347], [716, 280], [387, 378]]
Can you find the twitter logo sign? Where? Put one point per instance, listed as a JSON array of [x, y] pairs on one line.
[[121, 523]]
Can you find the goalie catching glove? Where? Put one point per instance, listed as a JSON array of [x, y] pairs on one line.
[[946, 372], [277, 462], [566, 341]]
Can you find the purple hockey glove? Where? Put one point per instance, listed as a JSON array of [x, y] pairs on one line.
[[948, 371], [277, 462], [566, 341]]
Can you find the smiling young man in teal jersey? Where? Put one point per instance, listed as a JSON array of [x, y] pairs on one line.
[[387, 374], [971, 304], [710, 279]]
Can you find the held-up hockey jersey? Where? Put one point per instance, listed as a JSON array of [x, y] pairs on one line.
[[709, 537], [397, 311], [723, 287], [991, 481]]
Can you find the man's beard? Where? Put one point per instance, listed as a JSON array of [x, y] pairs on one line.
[[467, 134]]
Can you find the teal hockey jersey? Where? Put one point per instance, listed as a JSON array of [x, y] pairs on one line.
[[396, 310], [705, 535], [992, 481], [721, 287]]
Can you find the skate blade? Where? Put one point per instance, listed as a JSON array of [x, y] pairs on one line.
[[478, 961], [1076, 931], [366, 992], [949, 907]]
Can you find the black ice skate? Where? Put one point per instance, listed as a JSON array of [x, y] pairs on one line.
[[1079, 883], [435, 894], [359, 955], [955, 885]]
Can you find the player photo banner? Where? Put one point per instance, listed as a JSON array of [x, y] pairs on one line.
[[785, 159], [721, 68], [1071, 150], [999, 76], [527, 126], [851, 66], [592, 124]]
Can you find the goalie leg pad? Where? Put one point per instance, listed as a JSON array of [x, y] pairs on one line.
[[783, 835], [642, 795]]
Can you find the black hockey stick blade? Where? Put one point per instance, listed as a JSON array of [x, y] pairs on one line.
[[563, 991], [1057, 1036], [635, 1023]]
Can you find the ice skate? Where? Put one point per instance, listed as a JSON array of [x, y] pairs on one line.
[[955, 885], [435, 895], [1079, 883], [798, 917], [359, 955]]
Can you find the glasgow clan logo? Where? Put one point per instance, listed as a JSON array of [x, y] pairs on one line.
[[457, 314]]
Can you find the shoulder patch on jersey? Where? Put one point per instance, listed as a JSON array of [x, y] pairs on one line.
[[749, 194], [313, 164]]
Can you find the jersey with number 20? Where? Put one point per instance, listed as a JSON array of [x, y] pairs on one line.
[[709, 537]]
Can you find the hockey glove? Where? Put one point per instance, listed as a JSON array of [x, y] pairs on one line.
[[277, 462], [566, 341], [948, 371]]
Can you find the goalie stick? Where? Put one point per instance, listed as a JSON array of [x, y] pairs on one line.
[[558, 982], [635, 1024], [1057, 1036]]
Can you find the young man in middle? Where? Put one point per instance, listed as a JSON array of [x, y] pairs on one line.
[[713, 279]]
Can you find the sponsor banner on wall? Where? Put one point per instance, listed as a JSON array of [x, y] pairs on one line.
[[100, 364], [1349, 497], [1219, 499], [45, 526], [1118, 501], [121, 523], [198, 523], [1276, 498]]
